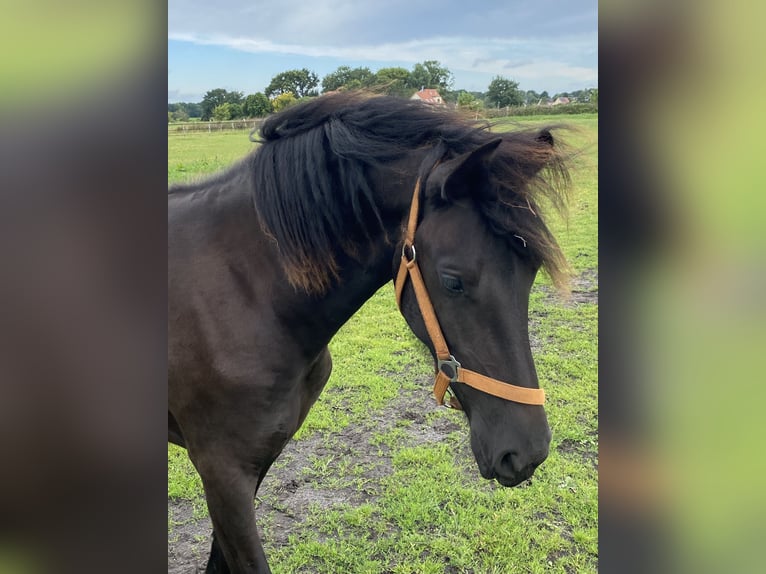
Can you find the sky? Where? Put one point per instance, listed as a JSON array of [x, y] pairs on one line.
[[240, 45]]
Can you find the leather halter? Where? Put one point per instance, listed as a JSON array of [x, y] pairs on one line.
[[449, 369]]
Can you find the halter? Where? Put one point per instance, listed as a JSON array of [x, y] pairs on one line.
[[449, 369]]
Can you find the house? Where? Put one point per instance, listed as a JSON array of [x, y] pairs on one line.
[[428, 96], [560, 100]]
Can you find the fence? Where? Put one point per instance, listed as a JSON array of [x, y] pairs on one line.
[[255, 123], [182, 128]]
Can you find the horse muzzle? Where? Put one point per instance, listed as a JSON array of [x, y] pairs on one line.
[[511, 465], [515, 466]]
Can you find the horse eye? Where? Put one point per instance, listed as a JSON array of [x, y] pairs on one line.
[[452, 283]]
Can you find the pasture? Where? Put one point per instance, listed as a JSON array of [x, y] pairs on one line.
[[380, 479]]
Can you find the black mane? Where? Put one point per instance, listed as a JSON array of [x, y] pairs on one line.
[[313, 190]]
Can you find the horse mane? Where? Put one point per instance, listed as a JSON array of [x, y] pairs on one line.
[[314, 196]]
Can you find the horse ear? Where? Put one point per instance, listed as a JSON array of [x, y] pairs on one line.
[[545, 136], [465, 169]]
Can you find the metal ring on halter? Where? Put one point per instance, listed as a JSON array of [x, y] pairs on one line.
[[404, 252], [449, 404]]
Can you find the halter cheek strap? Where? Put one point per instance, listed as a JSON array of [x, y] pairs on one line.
[[449, 369]]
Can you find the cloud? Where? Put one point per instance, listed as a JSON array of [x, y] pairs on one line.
[[182, 96], [489, 55], [545, 69], [354, 23], [551, 44]]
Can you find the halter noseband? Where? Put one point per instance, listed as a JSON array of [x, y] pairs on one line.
[[449, 369]]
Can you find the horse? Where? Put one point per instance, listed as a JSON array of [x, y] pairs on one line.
[[269, 258]]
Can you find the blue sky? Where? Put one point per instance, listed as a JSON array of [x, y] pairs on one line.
[[240, 44]]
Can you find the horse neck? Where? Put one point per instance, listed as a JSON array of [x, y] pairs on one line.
[[318, 318]]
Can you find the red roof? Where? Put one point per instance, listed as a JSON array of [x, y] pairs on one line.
[[428, 95]]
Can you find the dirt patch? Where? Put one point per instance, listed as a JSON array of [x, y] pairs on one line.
[[189, 539], [322, 470], [584, 290], [580, 450]]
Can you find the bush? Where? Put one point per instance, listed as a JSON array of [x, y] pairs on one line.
[[282, 101]]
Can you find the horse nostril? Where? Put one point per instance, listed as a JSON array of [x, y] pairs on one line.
[[508, 463], [516, 467]]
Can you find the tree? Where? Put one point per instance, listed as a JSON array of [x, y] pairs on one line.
[[581, 95], [337, 79], [468, 101], [283, 100], [393, 81], [214, 98], [236, 111], [300, 83], [431, 74], [347, 78], [193, 109], [257, 105], [503, 92], [222, 112], [211, 100], [594, 96], [180, 115], [531, 98], [190, 109]]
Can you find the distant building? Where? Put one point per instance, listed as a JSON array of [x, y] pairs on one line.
[[560, 100], [428, 96]]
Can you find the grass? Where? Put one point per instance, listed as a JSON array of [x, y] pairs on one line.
[[196, 154], [396, 500]]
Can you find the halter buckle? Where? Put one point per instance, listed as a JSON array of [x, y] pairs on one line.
[[449, 367]]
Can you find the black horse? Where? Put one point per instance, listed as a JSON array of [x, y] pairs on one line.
[[267, 260]]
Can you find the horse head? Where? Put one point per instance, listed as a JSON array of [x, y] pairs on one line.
[[478, 245]]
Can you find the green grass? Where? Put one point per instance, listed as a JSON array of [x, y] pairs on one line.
[[195, 154], [431, 510]]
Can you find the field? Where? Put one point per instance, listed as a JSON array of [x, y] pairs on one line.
[[379, 479]]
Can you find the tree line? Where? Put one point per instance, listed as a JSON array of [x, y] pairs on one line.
[[290, 86]]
